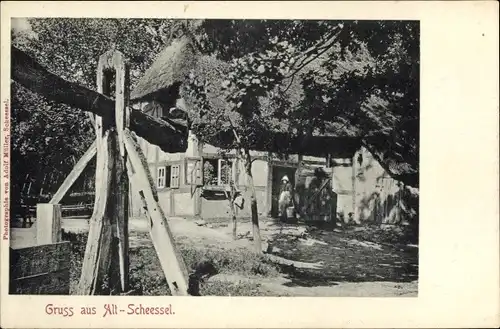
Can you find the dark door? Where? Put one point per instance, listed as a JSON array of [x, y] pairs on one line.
[[277, 174]]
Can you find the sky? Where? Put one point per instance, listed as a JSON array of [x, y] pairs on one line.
[[21, 26]]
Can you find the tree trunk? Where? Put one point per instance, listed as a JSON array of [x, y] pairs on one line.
[[230, 198], [231, 207], [235, 235], [253, 202]]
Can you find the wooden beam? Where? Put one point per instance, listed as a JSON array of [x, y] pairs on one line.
[[32, 75], [48, 223], [169, 136], [96, 260], [115, 60], [74, 174], [170, 259]]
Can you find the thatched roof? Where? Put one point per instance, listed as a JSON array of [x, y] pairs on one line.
[[167, 71]]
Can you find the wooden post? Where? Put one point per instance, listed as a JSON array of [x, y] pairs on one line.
[[96, 261], [297, 198], [329, 170], [197, 150], [269, 184], [48, 223], [121, 183], [110, 217]]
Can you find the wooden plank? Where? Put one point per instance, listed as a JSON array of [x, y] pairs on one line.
[[54, 283], [48, 223], [114, 211], [40, 269], [103, 85], [170, 259], [119, 212], [96, 260], [32, 75], [74, 174], [122, 110], [38, 259]]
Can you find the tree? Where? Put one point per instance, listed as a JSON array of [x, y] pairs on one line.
[[304, 78], [359, 75]]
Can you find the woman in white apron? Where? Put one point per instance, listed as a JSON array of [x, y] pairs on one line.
[[285, 197]]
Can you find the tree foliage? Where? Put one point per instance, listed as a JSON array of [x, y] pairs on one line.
[[339, 78], [49, 138]]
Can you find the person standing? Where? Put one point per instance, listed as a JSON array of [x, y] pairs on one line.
[[285, 197]]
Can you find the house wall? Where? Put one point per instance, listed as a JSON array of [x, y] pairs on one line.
[[188, 200], [173, 201], [378, 197], [343, 186], [135, 203]]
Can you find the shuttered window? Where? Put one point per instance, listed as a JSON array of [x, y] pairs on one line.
[[175, 174], [163, 177]]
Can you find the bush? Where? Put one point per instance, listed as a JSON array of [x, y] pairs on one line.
[[223, 288], [240, 261]]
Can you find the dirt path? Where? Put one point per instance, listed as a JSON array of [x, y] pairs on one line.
[[313, 262], [328, 263], [181, 229]]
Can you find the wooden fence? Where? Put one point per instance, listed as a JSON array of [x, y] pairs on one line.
[[42, 269]]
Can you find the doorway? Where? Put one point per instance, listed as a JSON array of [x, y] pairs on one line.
[[277, 174]]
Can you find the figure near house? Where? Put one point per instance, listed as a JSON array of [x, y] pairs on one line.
[[285, 197]]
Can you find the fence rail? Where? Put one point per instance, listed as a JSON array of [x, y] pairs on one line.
[[31, 210]]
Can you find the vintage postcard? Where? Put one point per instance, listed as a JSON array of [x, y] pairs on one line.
[[249, 164]]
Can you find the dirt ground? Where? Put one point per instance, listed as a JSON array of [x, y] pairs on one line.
[[314, 262]]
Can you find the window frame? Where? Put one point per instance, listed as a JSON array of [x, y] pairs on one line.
[[159, 170], [175, 175]]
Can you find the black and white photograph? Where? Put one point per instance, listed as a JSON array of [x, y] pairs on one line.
[[214, 157]]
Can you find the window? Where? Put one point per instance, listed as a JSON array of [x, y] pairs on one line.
[[175, 176], [164, 177], [218, 172]]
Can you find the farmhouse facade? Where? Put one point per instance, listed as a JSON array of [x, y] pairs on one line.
[[194, 184]]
